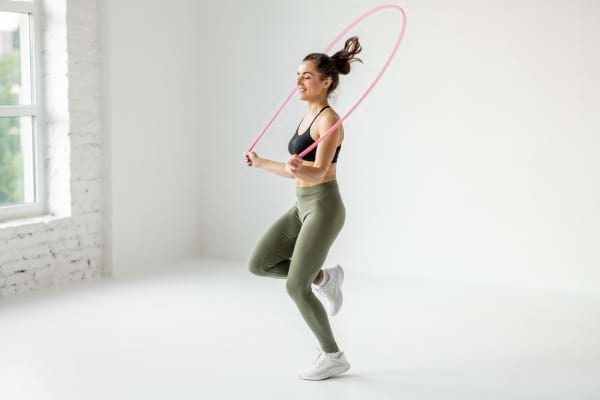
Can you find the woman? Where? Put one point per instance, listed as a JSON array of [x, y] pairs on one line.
[[296, 245]]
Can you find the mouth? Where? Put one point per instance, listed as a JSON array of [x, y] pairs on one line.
[[301, 89]]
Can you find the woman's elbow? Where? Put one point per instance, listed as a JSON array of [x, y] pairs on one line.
[[319, 175]]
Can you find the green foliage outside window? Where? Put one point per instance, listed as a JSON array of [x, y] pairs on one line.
[[11, 162]]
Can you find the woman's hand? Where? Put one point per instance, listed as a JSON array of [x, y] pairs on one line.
[[251, 159], [294, 163]]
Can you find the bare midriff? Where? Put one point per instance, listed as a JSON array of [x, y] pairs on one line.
[[329, 176]]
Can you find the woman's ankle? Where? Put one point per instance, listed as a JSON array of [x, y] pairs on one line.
[[319, 277]]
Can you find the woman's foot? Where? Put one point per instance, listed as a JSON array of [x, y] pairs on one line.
[[329, 290], [326, 365]]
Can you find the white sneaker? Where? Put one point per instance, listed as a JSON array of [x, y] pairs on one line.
[[326, 365], [330, 294]]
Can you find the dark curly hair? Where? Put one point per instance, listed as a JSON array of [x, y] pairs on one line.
[[339, 63]]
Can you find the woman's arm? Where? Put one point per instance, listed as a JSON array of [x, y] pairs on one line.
[[275, 167], [253, 160]]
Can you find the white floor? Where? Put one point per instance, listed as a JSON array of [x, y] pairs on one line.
[[211, 330]]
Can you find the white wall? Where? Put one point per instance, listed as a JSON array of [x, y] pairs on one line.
[[473, 158], [155, 107]]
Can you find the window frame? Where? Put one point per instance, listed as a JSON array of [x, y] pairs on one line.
[[35, 111]]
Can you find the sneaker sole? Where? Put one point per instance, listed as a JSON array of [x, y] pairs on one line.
[[336, 371]]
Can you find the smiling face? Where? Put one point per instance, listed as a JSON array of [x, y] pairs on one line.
[[310, 85]]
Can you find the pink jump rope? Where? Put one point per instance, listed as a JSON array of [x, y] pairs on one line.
[[334, 127]]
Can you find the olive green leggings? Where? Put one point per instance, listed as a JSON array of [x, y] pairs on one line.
[[295, 247]]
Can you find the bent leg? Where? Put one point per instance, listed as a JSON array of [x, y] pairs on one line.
[[271, 257]]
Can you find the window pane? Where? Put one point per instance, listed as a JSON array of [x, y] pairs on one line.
[[15, 59], [17, 185]]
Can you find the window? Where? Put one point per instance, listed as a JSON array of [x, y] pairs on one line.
[[21, 169]]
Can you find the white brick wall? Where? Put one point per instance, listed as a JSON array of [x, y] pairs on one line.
[[66, 245]]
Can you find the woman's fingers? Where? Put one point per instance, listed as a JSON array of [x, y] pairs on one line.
[[294, 162]]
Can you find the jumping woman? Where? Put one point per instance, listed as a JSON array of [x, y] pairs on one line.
[[296, 245]]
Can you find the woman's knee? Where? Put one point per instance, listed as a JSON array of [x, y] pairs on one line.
[[295, 288], [256, 265]]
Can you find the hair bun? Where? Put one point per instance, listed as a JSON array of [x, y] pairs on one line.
[[343, 58]]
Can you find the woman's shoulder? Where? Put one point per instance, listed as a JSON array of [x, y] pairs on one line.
[[331, 113], [330, 118]]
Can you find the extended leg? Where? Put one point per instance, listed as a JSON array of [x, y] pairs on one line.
[[312, 245]]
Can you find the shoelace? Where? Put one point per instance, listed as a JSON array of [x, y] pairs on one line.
[[321, 358]]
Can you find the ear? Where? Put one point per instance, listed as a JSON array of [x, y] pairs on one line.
[[327, 82]]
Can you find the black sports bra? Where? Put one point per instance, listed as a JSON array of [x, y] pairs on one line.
[[300, 142]]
